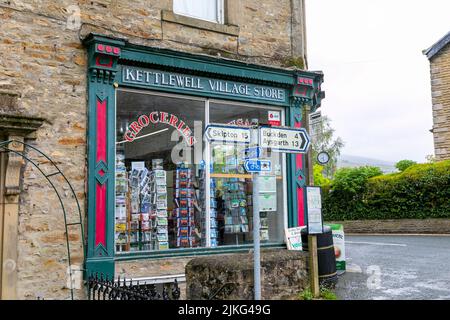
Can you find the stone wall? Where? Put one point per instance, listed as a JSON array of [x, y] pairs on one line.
[[403, 226], [440, 93], [43, 62], [283, 275]]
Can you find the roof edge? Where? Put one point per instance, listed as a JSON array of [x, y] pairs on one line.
[[436, 47]]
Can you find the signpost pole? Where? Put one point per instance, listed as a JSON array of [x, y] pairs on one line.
[[312, 239], [279, 139], [256, 225], [256, 243]]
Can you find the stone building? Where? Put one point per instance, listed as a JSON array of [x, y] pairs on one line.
[[439, 56], [67, 66]]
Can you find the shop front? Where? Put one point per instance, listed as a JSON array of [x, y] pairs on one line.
[[156, 187]]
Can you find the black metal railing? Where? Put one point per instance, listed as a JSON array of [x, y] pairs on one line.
[[104, 288]]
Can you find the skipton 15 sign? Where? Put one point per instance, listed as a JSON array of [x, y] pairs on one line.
[[227, 134]]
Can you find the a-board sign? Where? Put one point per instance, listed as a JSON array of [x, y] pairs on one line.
[[294, 238], [227, 134], [314, 210], [284, 139]]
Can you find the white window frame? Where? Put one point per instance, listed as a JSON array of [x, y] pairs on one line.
[[220, 14]]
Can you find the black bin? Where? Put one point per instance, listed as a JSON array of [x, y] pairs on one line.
[[326, 258]]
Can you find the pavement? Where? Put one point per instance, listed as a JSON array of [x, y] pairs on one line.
[[387, 267]]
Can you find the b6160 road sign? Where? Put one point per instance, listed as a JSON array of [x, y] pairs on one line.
[[291, 140], [227, 134]]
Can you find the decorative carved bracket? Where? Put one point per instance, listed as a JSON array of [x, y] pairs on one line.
[[104, 54], [307, 90]]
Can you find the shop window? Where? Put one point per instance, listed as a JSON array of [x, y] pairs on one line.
[[174, 190], [210, 10], [156, 189]]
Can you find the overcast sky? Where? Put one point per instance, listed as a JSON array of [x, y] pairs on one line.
[[377, 80]]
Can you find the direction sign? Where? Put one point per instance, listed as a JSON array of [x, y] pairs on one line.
[[283, 139], [227, 134], [252, 153], [258, 165]]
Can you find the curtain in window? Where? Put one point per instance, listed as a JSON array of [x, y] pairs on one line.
[[202, 9]]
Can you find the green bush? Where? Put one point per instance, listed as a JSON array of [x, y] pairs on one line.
[[402, 165], [319, 179], [421, 191]]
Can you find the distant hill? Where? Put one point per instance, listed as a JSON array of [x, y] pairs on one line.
[[345, 161]]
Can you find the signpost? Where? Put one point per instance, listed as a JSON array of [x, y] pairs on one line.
[[279, 139], [315, 226]]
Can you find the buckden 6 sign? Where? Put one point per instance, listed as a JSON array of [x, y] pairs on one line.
[[284, 139]]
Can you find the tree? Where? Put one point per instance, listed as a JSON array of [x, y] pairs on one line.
[[402, 165], [323, 139], [319, 179]]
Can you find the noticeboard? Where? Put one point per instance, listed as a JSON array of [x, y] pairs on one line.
[[314, 210]]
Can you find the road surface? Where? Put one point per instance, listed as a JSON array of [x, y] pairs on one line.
[[396, 267]]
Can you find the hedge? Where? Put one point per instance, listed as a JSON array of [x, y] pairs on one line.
[[421, 191]]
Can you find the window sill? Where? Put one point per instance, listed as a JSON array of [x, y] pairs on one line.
[[170, 16], [191, 252]]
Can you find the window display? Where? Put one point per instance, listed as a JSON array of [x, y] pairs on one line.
[[176, 191], [235, 185]]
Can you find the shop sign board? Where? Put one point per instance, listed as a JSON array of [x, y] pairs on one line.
[[227, 134], [258, 165], [191, 84], [314, 210], [284, 139]]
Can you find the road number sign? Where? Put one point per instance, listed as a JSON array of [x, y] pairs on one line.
[[292, 140]]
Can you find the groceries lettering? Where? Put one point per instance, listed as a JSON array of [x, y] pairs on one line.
[[159, 117]]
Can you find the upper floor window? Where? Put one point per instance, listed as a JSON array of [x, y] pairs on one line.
[[210, 10]]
